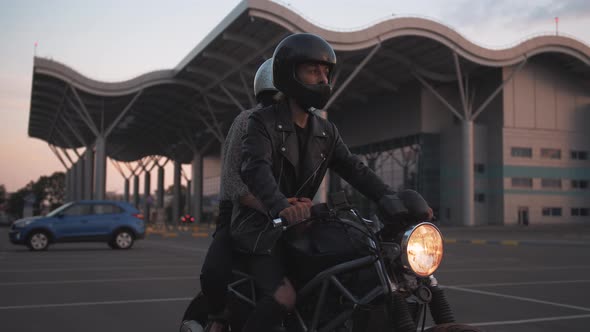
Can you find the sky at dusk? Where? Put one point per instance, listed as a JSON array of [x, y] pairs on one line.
[[113, 41]]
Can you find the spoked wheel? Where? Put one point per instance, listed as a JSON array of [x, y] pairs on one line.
[[122, 240], [38, 241], [454, 327]]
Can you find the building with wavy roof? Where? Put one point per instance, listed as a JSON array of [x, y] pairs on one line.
[[489, 136]]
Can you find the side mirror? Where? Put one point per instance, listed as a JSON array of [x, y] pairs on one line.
[[60, 215]]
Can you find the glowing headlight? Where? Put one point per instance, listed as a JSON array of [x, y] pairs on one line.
[[422, 248]]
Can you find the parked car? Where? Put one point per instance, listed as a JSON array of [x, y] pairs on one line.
[[117, 223]]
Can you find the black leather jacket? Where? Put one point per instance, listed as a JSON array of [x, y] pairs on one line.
[[271, 170]]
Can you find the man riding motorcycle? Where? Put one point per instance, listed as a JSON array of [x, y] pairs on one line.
[[285, 155]]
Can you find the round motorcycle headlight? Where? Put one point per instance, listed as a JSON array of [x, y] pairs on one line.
[[422, 248]]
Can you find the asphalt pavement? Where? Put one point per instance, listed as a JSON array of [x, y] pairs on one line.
[[574, 234], [502, 279]]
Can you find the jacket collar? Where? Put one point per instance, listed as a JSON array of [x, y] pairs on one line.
[[289, 146], [284, 121]]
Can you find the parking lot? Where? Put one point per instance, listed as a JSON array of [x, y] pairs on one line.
[[496, 279]]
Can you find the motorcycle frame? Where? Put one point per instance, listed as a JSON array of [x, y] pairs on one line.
[[323, 280]]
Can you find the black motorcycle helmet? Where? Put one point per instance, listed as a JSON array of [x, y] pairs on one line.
[[297, 49]]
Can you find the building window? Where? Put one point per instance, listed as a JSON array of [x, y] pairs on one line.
[[580, 212], [480, 197], [551, 183], [580, 184], [522, 182], [579, 155], [552, 211], [522, 152], [551, 153], [479, 168]]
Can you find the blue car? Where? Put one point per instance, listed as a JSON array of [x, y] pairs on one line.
[[117, 223]]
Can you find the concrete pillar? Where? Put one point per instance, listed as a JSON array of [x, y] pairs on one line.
[[188, 206], [74, 181], [88, 173], [147, 199], [177, 192], [197, 190], [160, 200], [80, 179], [67, 191], [100, 168], [126, 191], [468, 173], [136, 191]]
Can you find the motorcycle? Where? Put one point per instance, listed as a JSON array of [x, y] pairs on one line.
[[354, 274]]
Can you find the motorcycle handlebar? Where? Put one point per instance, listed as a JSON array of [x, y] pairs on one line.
[[316, 211]]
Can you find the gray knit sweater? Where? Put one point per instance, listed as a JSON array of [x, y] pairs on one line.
[[232, 186]]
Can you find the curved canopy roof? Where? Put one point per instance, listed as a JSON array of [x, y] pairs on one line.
[[189, 108]]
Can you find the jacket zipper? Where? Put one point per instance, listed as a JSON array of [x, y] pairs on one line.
[[259, 235], [297, 193], [311, 176]]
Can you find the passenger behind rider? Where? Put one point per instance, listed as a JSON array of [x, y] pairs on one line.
[[285, 155], [216, 272]]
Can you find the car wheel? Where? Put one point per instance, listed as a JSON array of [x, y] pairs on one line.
[[38, 241], [123, 240]]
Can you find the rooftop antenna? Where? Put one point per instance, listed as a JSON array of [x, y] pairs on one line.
[[557, 25]]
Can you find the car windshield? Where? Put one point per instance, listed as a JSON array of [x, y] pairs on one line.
[[59, 209]]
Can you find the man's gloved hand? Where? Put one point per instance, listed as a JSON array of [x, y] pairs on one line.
[[405, 207], [298, 211]]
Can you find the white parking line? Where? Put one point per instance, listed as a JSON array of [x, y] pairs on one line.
[[158, 244], [518, 298], [530, 283], [84, 281], [526, 321], [133, 268], [80, 304], [524, 268], [106, 260]]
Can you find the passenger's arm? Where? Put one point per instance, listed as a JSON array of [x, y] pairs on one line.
[[250, 201]]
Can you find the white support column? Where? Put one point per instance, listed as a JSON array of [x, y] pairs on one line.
[[197, 188], [467, 144], [468, 173], [100, 168]]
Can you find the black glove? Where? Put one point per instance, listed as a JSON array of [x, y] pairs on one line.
[[405, 208]]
